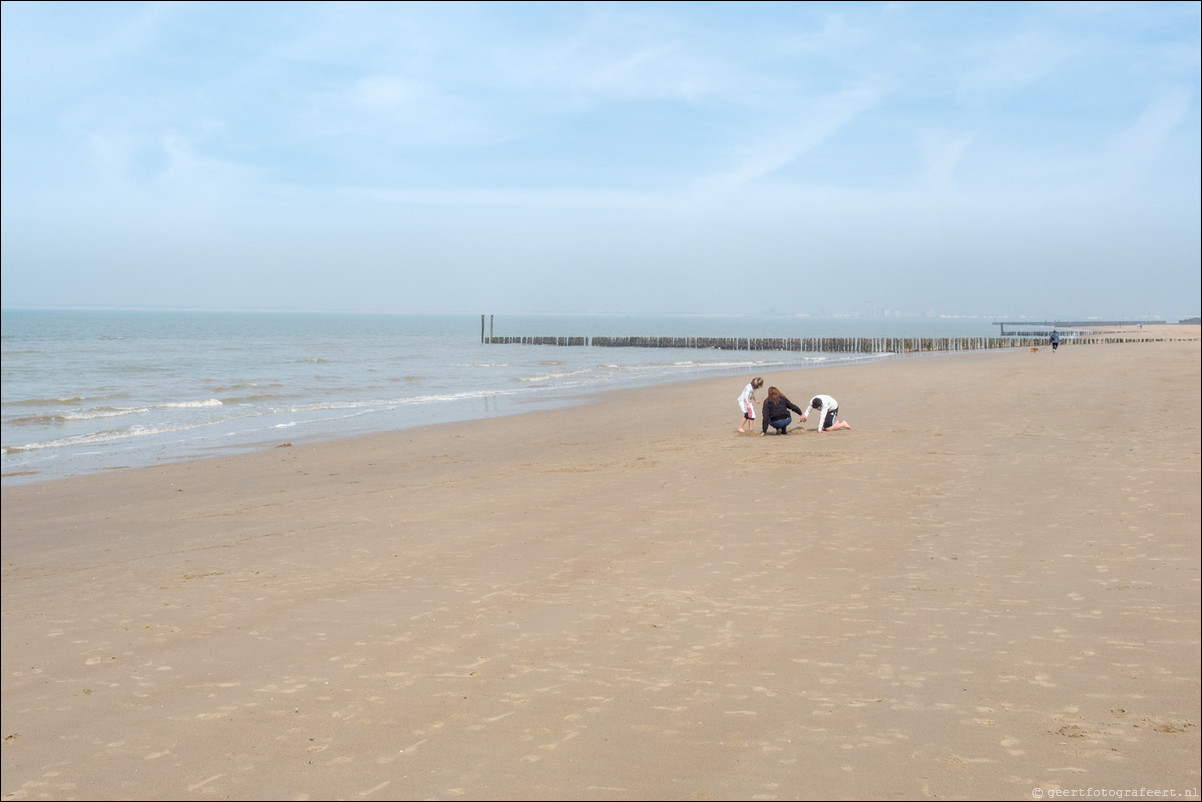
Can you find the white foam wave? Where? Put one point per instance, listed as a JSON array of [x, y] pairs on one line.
[[103, 412], [94, 438], [212, 402], [552, 376]]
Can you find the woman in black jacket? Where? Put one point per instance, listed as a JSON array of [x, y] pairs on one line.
[[776, 412]]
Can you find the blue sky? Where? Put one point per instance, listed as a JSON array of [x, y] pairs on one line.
[[992, 159]]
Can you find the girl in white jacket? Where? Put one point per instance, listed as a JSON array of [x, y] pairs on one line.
[[747, 403]]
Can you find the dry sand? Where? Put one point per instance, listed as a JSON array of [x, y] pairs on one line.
[[987, 589]]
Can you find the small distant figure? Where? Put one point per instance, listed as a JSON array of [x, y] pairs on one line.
[[1055, 339], [747, 403], [828, 414], [776, 412]]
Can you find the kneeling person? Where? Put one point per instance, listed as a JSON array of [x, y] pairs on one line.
[[828, 414]]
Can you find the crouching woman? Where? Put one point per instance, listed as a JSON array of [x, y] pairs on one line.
[[775, 412]]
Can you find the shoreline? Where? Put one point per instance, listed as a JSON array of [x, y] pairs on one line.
[[503, 406], [989, 585]]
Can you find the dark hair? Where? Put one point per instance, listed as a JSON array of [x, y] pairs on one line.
[[815, 403]]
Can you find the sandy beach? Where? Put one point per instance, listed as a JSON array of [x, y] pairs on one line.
[[987, 589]]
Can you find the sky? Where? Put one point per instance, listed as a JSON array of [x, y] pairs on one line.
[[1003, 160]]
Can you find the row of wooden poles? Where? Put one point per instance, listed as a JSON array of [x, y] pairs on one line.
[[825, 345]]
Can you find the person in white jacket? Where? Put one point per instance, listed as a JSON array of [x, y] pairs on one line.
[[747, 403], [828, 414]]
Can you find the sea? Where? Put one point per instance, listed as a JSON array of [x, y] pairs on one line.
[[87, 391]]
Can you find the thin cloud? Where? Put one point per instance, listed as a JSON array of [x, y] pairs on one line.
[[816, 123], [1001, 69]]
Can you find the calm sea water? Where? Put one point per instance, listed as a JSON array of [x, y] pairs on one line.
[[89, 391]]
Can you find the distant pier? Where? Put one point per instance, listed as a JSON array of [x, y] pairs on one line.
[[1077, 324]]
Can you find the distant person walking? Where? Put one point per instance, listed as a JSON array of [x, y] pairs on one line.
[[776, 412], [747, 403], [1055, 340], [828, 414]]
